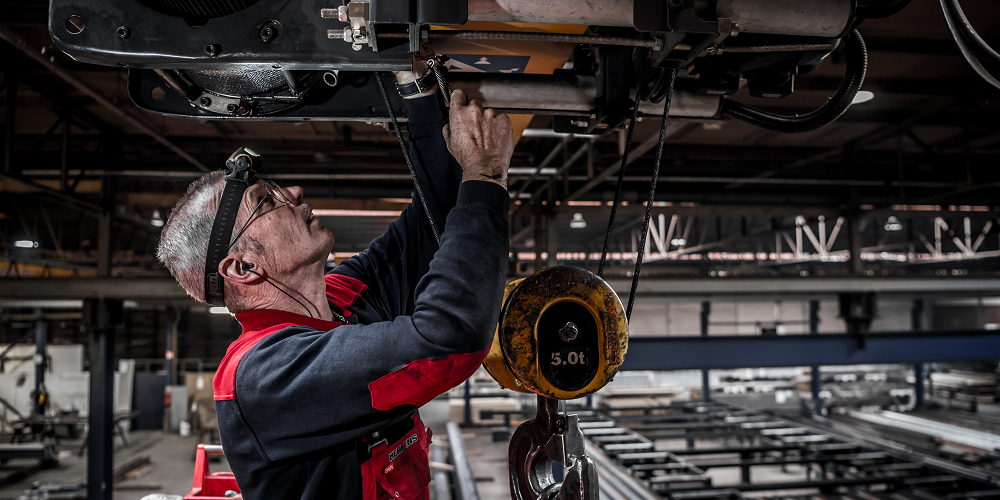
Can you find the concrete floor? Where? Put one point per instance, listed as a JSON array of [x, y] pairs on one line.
[[487, 459], [171, 471], [172, 465], [173, 468]]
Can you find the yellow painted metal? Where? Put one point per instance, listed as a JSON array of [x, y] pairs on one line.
[[513, 359], [494, 360], [545, 57]]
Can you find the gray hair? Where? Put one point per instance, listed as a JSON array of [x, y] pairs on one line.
[[183, 244]]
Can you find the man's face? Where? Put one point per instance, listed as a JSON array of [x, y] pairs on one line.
[[291, 236]]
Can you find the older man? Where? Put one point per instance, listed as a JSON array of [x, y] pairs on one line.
[[317, 398]]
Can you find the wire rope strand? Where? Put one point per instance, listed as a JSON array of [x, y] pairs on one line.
[[442, 83], [409, 164], [618, 190], [652, 193]]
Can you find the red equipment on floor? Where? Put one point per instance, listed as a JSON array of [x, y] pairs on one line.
[[210, 485]]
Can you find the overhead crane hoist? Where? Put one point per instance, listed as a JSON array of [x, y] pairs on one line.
[[593, 67], [562, 335]]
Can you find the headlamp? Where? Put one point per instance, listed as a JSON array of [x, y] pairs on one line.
[[242, 168]]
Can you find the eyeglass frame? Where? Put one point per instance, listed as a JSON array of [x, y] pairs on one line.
[[273, 191]]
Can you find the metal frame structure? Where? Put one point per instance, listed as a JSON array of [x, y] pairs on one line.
[[742, 351], [717, 435]]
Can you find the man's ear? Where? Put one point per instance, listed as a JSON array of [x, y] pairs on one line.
[[232, 269]]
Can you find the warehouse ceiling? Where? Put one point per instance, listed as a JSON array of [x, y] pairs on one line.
[[926, 147]]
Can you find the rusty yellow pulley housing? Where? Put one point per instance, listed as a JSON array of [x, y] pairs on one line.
[[562, 334]]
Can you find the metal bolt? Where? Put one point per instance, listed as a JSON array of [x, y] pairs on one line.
[[342, 13], [231, 108], [266, 34], [205, 101], [269, 32], [348, 35], [213, 50], [75, 24], [124, 32], [569, 332]]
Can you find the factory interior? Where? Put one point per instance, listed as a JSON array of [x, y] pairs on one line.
[[787, 212]]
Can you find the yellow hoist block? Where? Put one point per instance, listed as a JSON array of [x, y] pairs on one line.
[[562, 334]]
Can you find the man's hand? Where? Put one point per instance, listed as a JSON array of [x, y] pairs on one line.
[[480, 139]]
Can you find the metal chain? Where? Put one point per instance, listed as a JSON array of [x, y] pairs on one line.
[[409, 163]]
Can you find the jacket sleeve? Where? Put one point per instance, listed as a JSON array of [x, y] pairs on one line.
[[394, 263], [337, 382]]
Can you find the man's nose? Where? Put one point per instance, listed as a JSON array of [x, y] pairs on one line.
[[293, 194]]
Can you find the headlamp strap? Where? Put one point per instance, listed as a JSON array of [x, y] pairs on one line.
[[243, 166]]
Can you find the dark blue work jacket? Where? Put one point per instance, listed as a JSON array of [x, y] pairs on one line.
[[294, 394]]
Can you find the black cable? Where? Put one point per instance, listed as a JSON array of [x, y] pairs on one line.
[[279, 289], [966, 53], [857, 64], [963, 22], [409, 164], [618, 190], [652, 192]]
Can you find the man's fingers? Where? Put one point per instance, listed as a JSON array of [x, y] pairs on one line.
[[458, 98], [476, 103], [446, 132]]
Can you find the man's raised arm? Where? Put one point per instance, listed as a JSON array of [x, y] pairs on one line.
[[394, 263]]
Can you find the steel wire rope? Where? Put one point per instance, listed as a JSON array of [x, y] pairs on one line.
[[652, 193], [618, 189], [409, 163]]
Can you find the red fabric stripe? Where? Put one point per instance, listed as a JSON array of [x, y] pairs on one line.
[[343, 291], [421, 381]]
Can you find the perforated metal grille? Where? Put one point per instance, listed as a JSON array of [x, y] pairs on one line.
[[200, 8], [237, 82]]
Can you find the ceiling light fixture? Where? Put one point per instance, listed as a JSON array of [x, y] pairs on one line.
[[678, 242], [862, 96], [26, 244], [156, 221], [577, 222], [893, 224]]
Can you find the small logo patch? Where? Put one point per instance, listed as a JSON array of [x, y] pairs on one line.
[[402, 447]]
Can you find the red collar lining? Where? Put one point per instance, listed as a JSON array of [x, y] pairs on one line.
[[341, 291]]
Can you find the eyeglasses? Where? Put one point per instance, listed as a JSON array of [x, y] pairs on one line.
[[273, 192]]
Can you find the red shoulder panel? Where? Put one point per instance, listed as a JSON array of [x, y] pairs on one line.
[[421, 381], [343, 291]]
